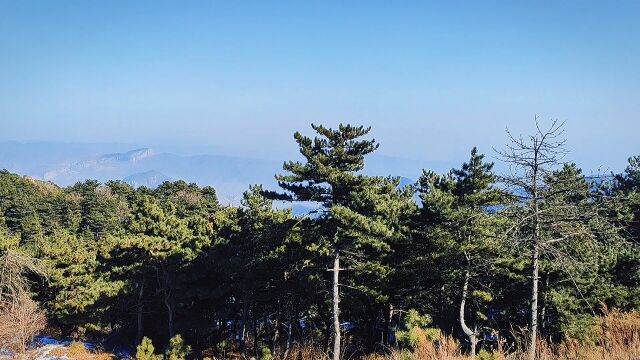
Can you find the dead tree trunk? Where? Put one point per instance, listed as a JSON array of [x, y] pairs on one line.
[[535, 174], [534, 157], [533, 329]]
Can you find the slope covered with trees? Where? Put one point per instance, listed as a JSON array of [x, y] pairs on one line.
[[488, 259]]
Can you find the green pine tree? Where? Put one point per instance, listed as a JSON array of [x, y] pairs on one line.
[[330, 178], [458, 216]]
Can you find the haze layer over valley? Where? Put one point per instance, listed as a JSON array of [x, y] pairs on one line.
[[67, 163]]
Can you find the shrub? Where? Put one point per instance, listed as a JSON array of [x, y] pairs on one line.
[[414, 319], [265, 353], [177, 350], [20, 320], [145, 351], [223, 346], [485, 355], [416, 331]]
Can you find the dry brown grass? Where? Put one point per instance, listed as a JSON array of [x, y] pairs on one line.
[[618, 337], [305, 352], [77, 351], [617, 333], [444, 348]]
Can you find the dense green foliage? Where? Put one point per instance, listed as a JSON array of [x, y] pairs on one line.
[[127, 265]]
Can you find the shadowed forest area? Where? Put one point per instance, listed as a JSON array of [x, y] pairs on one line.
[[540, 262]]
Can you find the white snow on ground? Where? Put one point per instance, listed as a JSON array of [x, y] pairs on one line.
[[44, 352], [40, 353], [44, 348]]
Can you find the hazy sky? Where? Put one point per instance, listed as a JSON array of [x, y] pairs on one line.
[[240, 77]]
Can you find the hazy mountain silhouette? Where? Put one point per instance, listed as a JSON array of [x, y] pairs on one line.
[[68, 163]]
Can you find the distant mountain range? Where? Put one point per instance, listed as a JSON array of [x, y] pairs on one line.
[[68, 163]]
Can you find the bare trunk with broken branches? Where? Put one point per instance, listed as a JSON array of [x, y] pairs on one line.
[[533, 159]]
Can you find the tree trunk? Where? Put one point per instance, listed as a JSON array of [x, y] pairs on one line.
[[168, 302], [545, 300], [474, 344], [140, 331], [276, 328], [336, 306], [289, 333], [327, 335], [533, 329], [243, 327], [473, 338], [255, 331], [387, 325]]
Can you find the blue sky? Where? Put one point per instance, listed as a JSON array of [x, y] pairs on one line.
[[238, 77]]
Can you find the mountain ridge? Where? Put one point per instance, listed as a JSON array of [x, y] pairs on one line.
[[67, 163]]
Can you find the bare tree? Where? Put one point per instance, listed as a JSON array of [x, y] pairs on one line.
[[544, 215], [20, 320], [20, 317]]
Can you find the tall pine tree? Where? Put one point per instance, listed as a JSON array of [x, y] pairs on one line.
[[329, 177]]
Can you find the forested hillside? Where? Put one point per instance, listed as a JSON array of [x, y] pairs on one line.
[[497, 262]]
